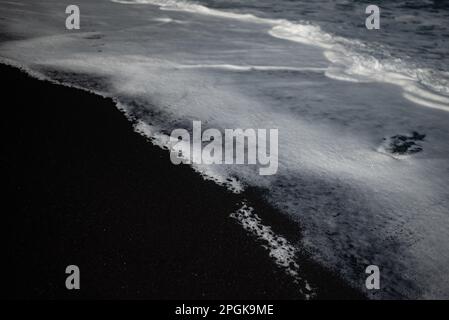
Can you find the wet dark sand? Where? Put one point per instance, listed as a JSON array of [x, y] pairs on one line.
[[83, 188]]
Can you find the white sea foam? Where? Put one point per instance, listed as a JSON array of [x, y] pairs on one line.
[[283, 252], [208, 172], [164, 20], [173, 5], [233, 67]]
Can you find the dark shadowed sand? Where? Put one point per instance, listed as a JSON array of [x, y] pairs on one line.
[[83, 188]]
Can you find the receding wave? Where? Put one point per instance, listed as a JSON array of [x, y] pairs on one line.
[[424, 87]]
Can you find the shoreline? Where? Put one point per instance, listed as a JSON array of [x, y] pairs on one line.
[[86, 189]]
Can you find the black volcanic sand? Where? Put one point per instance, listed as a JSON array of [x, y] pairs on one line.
[[81, 187]]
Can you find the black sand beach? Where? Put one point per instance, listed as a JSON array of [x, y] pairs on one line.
[[83, 188]]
